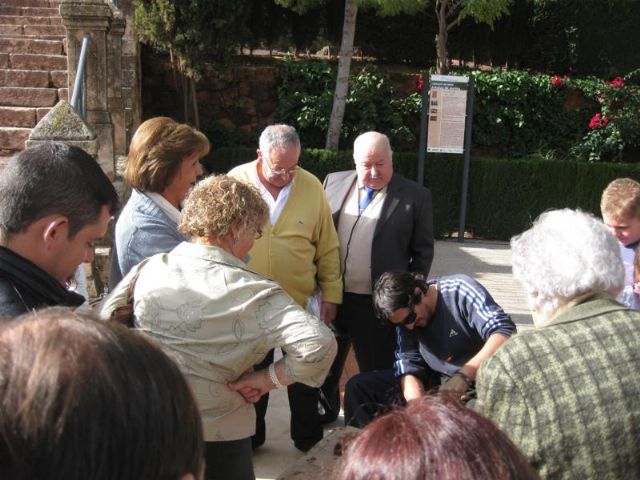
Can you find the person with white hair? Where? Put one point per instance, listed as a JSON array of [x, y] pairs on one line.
[[567, 391]]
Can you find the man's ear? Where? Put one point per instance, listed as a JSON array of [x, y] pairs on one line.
[[259, 154], [55, 231]]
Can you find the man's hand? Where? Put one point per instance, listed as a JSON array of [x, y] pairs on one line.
[[328, 312], [252, 385], [412, 387], [456, 386]]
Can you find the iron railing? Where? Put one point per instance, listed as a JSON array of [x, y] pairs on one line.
[[79, 97]]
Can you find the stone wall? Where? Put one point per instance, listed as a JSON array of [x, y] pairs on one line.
[[235, 101]]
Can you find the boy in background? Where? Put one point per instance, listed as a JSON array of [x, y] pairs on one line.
[[620, 206]]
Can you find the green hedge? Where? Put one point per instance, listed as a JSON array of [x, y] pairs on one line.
[[505, 195]]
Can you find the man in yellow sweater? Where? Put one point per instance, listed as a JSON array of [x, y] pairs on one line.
[[299, 250]]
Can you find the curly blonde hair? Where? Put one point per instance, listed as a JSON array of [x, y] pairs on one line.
[[218, 203]]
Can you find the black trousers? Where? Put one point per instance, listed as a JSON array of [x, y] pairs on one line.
[[370, 394], [373, 343], [306, 424], [229, 460]]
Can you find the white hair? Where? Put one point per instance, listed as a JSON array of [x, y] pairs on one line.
[[365, 141], [281, 136], [566, 253]]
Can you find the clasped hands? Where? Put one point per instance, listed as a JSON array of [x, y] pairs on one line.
[[252, 385]]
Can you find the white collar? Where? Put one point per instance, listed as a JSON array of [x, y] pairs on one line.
[[172, 212]]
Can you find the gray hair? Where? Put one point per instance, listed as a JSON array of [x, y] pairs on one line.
[[566, 253], [281, 136]]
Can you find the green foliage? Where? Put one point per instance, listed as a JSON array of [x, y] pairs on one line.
[[194, 30], [497, 209], [305, 101], [615, 129], [517, 114], [485, 11], [590, 37]]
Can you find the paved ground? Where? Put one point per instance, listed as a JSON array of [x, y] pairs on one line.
[[489, 262]]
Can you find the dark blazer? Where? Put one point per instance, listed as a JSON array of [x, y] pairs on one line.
[[403, 238]]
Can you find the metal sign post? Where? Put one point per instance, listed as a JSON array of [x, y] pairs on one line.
[[450, 113], [467, 161], [422, 152]]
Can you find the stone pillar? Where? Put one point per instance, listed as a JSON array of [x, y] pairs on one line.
[[64, 124], [131, 72], [92, 17], [114, 82]]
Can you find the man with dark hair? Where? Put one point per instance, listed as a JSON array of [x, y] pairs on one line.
[[55, 202], [446, 328]]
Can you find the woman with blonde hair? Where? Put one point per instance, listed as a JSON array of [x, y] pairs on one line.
[[163, 164], [220, 318]]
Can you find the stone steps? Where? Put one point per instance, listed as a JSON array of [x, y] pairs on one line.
[[33, 78], [28, 97], [31, 45], [33, 68], [33, 61], [29, 20], [18, 117], [29, 11], [45, 32], [31, 3], [12, 139]]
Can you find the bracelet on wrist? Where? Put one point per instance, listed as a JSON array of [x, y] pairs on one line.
[[273, 376], [464, 376]]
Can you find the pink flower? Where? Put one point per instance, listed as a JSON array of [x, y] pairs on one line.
[[556, 81], [616, 83], [598, 121]]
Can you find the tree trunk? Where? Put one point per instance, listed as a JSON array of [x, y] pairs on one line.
[[194, 100], [185, 97], [442, 64], [342, 82]]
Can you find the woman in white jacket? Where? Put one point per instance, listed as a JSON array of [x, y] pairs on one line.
[[221, 318]]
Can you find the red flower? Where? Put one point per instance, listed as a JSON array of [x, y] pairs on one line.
[[556, 81], [420, 83], [616, 83], [598, 121]]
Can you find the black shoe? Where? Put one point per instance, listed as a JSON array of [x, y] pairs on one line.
[[304, 445]]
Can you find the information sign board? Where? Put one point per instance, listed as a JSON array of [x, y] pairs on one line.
[[447, 113]]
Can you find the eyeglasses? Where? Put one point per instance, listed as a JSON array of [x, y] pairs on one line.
[[258, 233], [281, 172]]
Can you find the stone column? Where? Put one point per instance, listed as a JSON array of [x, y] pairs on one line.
[[131, 81], [114, 82], [92, 17]]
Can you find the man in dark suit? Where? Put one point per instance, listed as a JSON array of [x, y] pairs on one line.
[[384, 222]]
